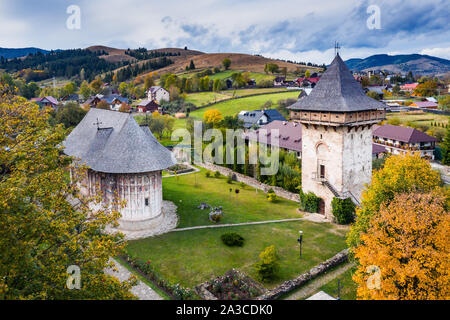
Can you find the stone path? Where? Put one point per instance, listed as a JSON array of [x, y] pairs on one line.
[[169, 222], [310, 288], [141, 290], [235, 224]]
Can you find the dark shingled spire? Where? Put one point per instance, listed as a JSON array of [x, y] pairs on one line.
[[337, 91], [116, 144]]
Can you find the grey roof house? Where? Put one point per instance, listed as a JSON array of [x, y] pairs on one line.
[[259, 117]]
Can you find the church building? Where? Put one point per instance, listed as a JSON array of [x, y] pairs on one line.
[[337, 120], [125, 161]]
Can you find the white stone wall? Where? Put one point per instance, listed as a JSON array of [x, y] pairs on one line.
[[141, 191], [347, 157]]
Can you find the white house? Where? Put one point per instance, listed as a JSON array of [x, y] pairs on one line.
[[158, 93]]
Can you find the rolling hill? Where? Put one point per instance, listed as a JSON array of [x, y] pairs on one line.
[[416, 63], [9, 53]]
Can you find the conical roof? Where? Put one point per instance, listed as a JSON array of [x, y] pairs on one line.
[[337, 91], [117, 145]]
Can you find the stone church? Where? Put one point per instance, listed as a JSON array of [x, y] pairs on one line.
[[124, 160], [337, 120]]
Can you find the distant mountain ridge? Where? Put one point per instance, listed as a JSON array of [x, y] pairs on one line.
[[19, 52], [417, 63]]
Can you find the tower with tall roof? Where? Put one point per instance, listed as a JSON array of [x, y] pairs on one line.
[[337, 119]]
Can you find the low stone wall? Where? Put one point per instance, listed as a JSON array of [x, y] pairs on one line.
[[250, 181], [290, 285]]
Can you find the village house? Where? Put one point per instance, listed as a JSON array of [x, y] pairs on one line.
[[158, 94], [307, 82], [409, 87], [278, 81], [424, 104], [256, 118], [48, 101], [149, 106], [401, 140]]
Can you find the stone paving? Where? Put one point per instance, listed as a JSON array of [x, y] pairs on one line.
[[141, 290], [169, 222]]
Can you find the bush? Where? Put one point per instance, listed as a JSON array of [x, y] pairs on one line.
[[309, 202], [208, 174], [217, 174], [230, 178], [343, 210], [267, 267], [272, 197], [232, 239]]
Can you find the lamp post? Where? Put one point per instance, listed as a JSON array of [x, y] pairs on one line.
[[300, 239]]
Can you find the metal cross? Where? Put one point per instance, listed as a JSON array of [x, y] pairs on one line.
[[98, 123], [336, 48]]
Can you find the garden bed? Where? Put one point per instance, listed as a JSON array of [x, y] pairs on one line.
[[233, 285]]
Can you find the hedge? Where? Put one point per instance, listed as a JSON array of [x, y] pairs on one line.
[[343, 210]]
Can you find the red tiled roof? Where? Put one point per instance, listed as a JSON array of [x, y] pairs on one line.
[[403, 134]]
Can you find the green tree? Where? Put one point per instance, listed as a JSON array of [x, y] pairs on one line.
[[191, 65], [226, 63], [446, 148], [307, 74], [85, 90], [41, 232], [70, 114]]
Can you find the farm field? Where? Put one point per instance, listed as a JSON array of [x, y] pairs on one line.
[[233, 107], [194, 256]]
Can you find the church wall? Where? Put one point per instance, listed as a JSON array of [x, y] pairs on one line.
[[141, 191]]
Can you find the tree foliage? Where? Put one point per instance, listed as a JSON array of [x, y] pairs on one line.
[[400, 174], [41, 232], [343, 210], [408, 241], [267, 266], [213, 116]]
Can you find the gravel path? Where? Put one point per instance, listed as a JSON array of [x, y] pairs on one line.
[[141, 290], [310, 288]]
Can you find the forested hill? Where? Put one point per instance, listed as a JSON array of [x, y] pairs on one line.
[[9, 53]]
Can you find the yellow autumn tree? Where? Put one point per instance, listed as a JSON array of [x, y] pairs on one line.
[[407, 243], [213, 116], [400, 174], [42, 231]]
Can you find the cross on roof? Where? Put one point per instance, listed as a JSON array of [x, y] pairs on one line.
[[336, 48], [98, 123]]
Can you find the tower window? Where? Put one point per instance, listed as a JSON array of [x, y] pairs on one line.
[[320, 136], [146, 202]]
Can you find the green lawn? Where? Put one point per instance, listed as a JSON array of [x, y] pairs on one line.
[[348, 287], [248, 205], [192, 257], [419, 118], [203, 98], [233, 107]]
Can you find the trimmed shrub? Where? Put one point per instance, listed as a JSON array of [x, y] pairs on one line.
[[272, 197], [343, 210], [208, 174], [217, 174], [232, 239], [309, 202], [230, 178], [267, 267]]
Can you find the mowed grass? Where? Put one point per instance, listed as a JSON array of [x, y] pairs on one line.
[[348, 287], [233, 107], [247, 206], [203, 98], [194, 256], [419, 117]]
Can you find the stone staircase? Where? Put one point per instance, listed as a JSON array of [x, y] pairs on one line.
[[341, 195]]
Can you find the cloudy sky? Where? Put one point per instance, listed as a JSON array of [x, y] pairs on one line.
[[288, 29]]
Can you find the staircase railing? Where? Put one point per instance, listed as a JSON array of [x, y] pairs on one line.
[[337, 194]]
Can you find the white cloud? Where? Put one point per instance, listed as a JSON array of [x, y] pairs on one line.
[[438, 52]]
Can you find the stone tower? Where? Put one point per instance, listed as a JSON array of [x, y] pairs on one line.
[[337, 119]]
